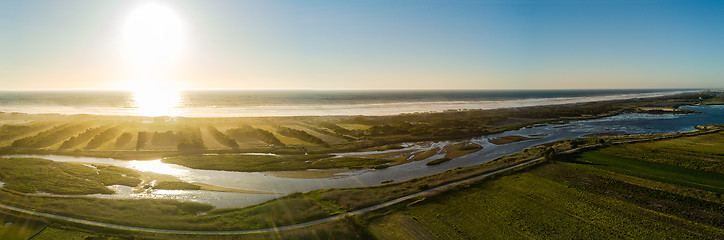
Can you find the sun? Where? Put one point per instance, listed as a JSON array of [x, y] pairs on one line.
[[152, 39], [153, 36]]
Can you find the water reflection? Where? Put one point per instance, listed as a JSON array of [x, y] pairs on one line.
[[156, 166], [626, 123]]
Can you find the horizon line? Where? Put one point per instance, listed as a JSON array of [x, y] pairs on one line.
[[342, 89]]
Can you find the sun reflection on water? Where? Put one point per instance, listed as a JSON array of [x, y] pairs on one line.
[[156, 102], [157, 166]]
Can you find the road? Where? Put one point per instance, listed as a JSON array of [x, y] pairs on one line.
[[267, 230], [335, 217]]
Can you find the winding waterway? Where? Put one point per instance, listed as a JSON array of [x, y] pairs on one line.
[[630, 123]]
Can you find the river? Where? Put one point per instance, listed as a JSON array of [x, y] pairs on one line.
[[629, 123]]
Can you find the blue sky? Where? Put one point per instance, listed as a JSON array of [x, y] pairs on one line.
[[376, 44]]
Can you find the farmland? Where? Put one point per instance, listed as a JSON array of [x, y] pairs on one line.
[[620, 191], [668, 187], [571, 196]]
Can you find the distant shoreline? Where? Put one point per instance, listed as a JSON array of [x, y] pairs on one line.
[[222, 104]]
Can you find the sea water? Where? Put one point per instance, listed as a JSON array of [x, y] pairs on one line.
[[247, 103]]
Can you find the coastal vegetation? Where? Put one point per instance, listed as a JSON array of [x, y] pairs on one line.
[[223, 138], [176, 185], [123, 140], [389, 147], [559, 201], [49, 137], [715, 99], [582, 191], [453, 151], [164, 137], [80, 138], [102, 137], [31, 175], [424, 154], [19, 228], [508, 139], [182, 141], [247, 131], [263, 163], [293, 208], [461, 149], [437, 161], [696, 153], [619, 191], [10, 131], [301, 135]]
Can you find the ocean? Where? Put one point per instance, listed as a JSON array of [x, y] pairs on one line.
[[259, 103]]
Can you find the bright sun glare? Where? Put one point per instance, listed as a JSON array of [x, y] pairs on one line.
[[153, 37]]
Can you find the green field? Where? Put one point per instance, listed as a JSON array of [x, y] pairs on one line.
[[51, 233], [294, 208], [32, 175], [262, 163], [545, 203], [621, 191], [342, 230], [18, 228], [592, 193], [703, 180], [705, 152]]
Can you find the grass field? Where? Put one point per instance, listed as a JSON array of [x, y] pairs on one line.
[[344, 229], [508, 139], [621, 191], [294, 208], [542, 204], [17, 228], [52, 233], [698, 179], [32, 175], [593, 193], [705, 152], [263, 163]]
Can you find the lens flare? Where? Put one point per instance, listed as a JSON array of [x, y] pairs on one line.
[[153, 37]]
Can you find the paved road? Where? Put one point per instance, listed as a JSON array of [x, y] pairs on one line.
[[332, 218], [266, 230]]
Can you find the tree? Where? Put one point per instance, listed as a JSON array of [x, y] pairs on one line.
[[549, 154], [142, 138]]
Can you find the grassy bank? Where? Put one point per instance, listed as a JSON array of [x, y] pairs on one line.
[[265, 163], [19, 228], [461, 149], [153, 138], [294, 208], [697, 179], [32, 175], [581, 194], [509, 139], [557, 201], [620, 191]]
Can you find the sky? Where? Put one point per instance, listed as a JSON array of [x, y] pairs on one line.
[[516, 44]]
